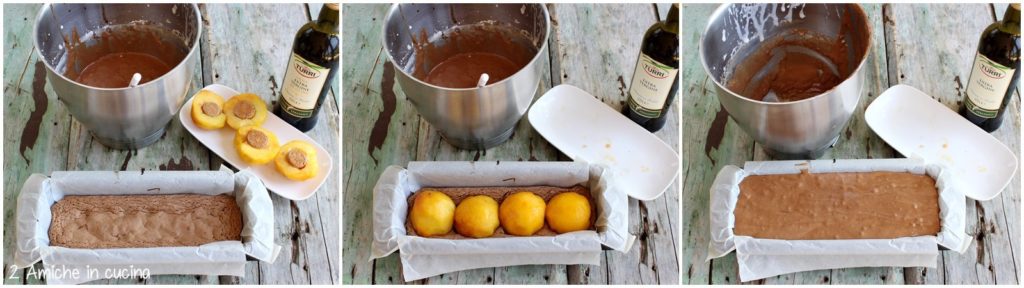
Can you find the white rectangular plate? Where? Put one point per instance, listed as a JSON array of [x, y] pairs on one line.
[[220, 141], [918, 126], [585, 129]]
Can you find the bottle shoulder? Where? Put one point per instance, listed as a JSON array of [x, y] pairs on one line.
[[662, 46], [999, 45], [314, 42]]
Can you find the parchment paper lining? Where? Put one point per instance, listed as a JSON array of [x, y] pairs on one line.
[[424, 257], [762, 258], [218, 258]]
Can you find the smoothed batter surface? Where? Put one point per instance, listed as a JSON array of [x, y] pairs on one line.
[[805, 206], [115, 70], [464, 70], [137, 221]]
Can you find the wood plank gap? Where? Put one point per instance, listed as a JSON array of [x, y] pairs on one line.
[[204, 53], [886, 32], [204, 66], [672, 232], [1007, 220], [369, 79], [607, 270], [989, 252], [945, 276], [24, 68], [1016, 266], [324, 235], [554, 56], [302, 244]]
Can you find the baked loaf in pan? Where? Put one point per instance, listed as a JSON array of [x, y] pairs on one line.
[[141, 221], [819, 206]]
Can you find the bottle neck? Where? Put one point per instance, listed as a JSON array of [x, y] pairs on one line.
[[672, 21], [328, 18]]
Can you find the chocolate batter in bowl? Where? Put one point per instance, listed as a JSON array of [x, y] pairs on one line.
[[441, 51], [796, 65], [456, 57], [789, 74], [92, 51], [108, 57]]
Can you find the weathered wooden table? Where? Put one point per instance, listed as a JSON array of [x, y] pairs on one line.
[[930, 47], [243, 46], [593, 47]]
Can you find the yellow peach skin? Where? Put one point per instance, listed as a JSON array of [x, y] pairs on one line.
[[432, 214], [568, 212], [477, 216], [522, 213]]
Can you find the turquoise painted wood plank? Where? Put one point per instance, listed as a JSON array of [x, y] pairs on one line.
[[250, 46], [215, 162], [39, 143], [604, 68], [1011, 199], [330, 230], [712, 140], [379, 131], [940, 71]]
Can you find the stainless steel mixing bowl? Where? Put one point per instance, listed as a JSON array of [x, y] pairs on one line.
[[120, 118], [802, 129], [470, 118]]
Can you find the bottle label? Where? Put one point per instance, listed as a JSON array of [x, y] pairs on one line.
[[649, 88], [987, 86], [303, 82]]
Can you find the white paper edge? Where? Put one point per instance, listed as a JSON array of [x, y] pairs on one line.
[[27, 248], [220, 258], [388, 205], [257, 238], [425, 257], [829, 254]]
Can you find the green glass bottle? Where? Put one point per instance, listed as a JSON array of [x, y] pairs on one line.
[[311, 69], [655, 81], [995, 73]]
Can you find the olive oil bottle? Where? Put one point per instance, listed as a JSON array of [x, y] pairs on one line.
[[655, 81], [311, 69], [995, 73]]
